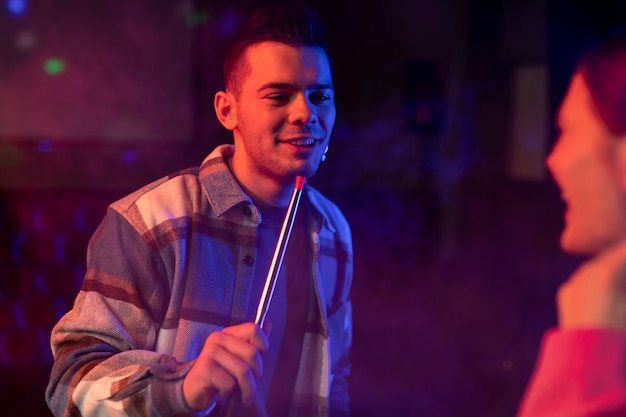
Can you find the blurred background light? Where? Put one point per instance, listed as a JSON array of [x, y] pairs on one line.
[[25, 41], [54, 66], [16, 7], [229, 22], [130, 157], [44, 146], [198, 18]]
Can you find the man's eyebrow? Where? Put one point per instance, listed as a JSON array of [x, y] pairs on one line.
[[289, 86]]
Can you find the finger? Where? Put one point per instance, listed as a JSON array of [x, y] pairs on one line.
[[235, 355], [247, 388], [251, 333], [236, 376], [223, 373], [267, 327], [207, 383], [222, 381]]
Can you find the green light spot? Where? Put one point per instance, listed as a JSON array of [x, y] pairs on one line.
[[54, 66], [9, 155], [198, 18]]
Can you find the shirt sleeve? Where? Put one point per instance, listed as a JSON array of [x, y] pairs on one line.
[[579, 373], [339, 398], [105, 361]]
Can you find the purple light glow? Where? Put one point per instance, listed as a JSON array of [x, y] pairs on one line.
[[16, 8], [130, 157], [44, 146]]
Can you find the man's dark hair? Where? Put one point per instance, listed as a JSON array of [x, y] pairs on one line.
[[291, 24]]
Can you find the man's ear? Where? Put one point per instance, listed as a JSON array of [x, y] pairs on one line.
[[225, 109]]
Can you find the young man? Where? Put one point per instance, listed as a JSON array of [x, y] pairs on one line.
[[163, 324], [581, 370]]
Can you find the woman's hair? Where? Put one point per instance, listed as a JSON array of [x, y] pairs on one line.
[[604, 69], [291, 24]]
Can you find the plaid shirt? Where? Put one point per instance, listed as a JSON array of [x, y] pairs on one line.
[[168, 265]]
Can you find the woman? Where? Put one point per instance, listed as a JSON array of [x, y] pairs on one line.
[[581, 369]]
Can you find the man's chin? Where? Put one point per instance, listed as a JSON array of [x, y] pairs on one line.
[[307, 169]]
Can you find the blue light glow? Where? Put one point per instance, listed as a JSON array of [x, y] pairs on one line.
[[16, 7], [130, 157], [228, 23], [44, 146]]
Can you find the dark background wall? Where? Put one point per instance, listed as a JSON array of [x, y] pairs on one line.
[[445, 113]]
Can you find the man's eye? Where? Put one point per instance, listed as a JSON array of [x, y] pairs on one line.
[[278, 97], [321, 98]]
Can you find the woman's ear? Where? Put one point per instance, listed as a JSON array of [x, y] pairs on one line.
[[225, 109]]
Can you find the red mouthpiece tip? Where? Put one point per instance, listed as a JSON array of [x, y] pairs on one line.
[[300, 182]]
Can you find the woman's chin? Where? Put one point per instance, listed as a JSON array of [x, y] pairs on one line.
[[574, 244], [577, 244]]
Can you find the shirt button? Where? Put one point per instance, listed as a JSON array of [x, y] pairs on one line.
[[246, 211], [248, 260]]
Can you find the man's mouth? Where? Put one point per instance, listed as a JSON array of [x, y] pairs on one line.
[[301, 141]]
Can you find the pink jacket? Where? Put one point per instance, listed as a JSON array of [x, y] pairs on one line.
[[579, 373]]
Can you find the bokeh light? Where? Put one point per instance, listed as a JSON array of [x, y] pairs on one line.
[[16, 7], [25, 41], [9, 154], [198, 18], [44, 146], [130, 157], [54, 66], [228, 23]]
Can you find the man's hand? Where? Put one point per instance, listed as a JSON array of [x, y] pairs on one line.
[[230, 358], [595, 294]]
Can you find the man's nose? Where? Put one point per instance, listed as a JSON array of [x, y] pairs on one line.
[[302, 111]]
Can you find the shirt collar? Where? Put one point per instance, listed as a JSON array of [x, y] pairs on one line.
[[223, 191], [220, 187]]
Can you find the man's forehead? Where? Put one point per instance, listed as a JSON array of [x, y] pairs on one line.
[[273, 48], [282, 63]]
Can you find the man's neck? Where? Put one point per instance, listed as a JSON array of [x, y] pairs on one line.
[[261, 187]]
